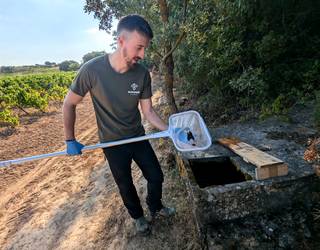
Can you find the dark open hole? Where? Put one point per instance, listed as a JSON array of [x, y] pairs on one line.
[[215, 171]]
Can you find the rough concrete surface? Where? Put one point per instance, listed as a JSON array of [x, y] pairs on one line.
[[276, 213]]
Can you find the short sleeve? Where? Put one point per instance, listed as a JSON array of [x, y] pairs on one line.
[[82, 82], [146, 92]]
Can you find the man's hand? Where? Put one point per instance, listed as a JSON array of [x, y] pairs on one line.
[[74, 147]]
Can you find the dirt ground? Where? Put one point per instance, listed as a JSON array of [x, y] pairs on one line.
[[73, 202]]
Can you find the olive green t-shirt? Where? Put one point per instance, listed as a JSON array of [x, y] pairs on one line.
[[115, 97]]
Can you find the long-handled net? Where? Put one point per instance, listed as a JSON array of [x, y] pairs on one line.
[[186, 129]]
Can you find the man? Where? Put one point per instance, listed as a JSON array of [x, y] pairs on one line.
[[117, 85]]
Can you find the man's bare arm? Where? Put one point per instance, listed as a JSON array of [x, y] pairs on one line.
[[151, 115], [69, 113]]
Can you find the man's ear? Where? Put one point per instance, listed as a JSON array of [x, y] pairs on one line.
[[123, 36], [120, 40]]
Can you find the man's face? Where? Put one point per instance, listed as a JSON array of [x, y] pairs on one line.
[[133, 45]]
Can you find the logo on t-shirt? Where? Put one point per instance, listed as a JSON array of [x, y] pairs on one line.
[[133, 90]]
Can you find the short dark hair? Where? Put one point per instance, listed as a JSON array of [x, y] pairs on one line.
[[135, 22]]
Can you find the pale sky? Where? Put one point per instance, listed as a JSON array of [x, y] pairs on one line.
[[35, 31]]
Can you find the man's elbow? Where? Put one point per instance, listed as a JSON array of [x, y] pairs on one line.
[[67, 106]]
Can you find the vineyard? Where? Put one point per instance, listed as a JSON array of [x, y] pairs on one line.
[[20, 92]]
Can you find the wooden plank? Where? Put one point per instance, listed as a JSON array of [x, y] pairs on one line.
[[267, 165], [271, 171], [249, 153]]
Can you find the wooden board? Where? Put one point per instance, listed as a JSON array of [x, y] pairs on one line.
[[267, 165], [271, 171]]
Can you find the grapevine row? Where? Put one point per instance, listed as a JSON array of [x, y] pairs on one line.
[[30, 91]]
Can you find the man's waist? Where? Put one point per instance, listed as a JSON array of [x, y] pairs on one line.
[[107, 136]]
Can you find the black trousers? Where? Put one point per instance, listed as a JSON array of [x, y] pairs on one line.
[[120, 159]]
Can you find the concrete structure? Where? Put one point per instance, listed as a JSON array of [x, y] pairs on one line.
[[220, 192]]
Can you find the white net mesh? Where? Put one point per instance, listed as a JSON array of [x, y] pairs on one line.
[[189, 132]]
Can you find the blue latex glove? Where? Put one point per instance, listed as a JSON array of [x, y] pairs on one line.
[[74, 147]]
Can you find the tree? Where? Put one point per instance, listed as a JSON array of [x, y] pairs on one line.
[[250, 54], [92, 55], [167, 21], [74, 66], [49, 64], [68, 65], [6, 69]]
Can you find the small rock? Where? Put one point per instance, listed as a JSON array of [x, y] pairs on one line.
[[285, 241], [269, 231], [215, 247], [264, 147], [183, 101], [250, 243], [273, 226], [307, 232]]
